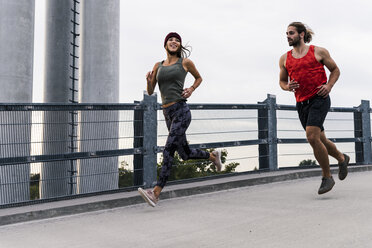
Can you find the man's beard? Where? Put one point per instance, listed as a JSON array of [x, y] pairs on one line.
[[294, 42]]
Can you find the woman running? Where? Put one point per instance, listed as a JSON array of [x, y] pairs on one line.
[[171, 74]]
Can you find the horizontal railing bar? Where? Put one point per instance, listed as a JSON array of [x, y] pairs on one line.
[[130, 106], [328, 119], [65, 123], [229, 144], [222, 144], [67, 106], [301, 130], [332, 109], [69, 156], [195, 106], [212, 119], [292, 141], [222, 118], [66, 141], [206, 133], [344, 109], [285, 107], [335, 140]]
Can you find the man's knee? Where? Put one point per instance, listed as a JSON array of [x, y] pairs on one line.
[[313, 135]]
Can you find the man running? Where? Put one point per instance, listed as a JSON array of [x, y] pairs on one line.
[[302, 72]]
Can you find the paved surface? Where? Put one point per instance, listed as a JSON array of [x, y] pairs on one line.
[[93, 203], [282, 214]]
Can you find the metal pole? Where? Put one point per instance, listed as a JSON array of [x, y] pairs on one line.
[[358, 135], [267, 129], [150, 133], [362, 131], [138, 143], [366, 129]]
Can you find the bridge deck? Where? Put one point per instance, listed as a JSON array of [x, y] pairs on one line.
[[278, 214]]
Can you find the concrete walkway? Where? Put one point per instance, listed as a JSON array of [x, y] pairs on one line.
[[114, 200], [279, 214]]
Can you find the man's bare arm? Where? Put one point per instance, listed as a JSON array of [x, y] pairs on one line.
[[331, 65]]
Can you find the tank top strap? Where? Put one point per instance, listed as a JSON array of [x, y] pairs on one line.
[[312, 48], [289, 53], [179, 61]]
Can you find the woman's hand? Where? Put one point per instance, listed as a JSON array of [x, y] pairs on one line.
[[149, 77], [187, 92]]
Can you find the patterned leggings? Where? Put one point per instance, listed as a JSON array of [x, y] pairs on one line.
[[178, 118]]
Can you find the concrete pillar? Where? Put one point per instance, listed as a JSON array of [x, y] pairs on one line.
[[55, 175], [16, 67], [99, 84]]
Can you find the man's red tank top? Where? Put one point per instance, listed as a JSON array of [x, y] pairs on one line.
[[308, 72]]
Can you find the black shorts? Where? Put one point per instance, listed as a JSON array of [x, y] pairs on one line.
[[313, 112]]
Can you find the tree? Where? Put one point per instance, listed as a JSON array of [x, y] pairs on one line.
[[197, 167], [125, 175], [307, 162]]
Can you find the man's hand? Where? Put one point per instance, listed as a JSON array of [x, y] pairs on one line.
[[324, 90], [293, 85]]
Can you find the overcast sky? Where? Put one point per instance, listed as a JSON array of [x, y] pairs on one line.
[[236, 45]]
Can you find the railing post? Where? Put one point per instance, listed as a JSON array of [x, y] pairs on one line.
[[138, 143], [267, 129], [362, 131], [150, 134]]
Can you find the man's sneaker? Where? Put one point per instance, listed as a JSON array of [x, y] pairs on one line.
[[342, 172], [327, 185], [218, 162], [148, 196]]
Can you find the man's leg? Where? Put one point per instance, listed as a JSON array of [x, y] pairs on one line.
[[331, 148], [343, 159], [313, 135]]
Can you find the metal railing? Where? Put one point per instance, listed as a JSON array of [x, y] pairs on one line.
[[35, 141]]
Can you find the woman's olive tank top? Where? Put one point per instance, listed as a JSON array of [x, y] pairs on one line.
[[171, 81]]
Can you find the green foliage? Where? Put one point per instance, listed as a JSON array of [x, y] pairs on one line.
[[197, 167], [34, 186], [182, 170], [307, 162], [125, 175]]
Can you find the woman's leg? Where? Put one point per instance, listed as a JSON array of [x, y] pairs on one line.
[[175, 120], [184, 150], [178, 121]]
